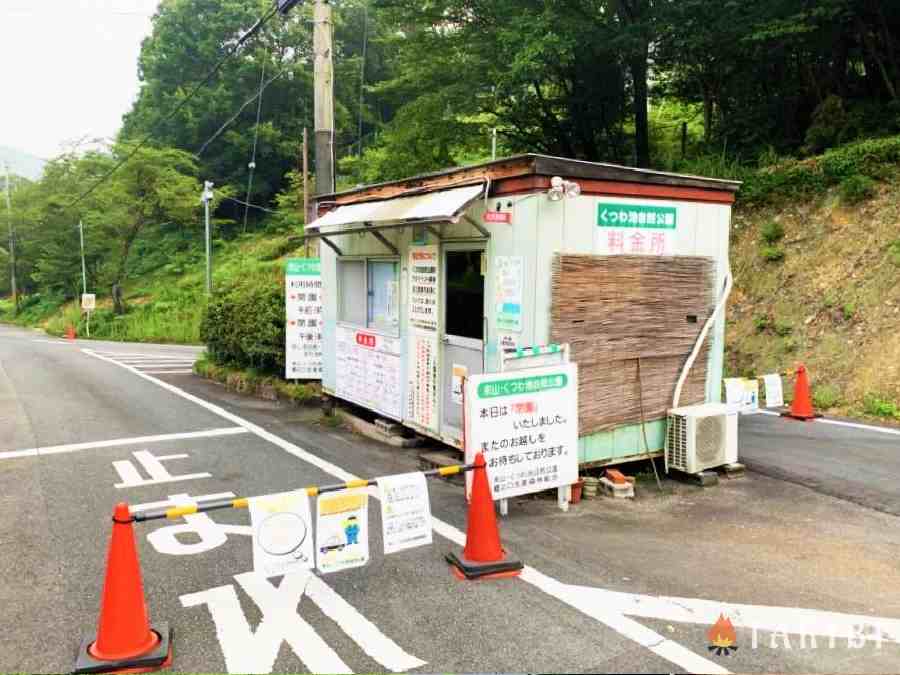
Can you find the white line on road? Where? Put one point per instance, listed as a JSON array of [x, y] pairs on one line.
[[166, 372], [56, 342], [839, 423], [676, 654], [75, 447]]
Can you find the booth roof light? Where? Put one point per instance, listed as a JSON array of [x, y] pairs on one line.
[[560, 188]]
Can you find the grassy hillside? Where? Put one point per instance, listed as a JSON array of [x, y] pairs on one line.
[[165, 294], [817, 280]]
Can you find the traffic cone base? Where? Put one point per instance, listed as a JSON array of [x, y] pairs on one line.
[[483, 556], [467, 570], [159, 656]]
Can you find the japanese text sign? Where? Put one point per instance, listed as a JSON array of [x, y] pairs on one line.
[[526, 424], [303, 330], [636, 229], [405, 512], [423, 287], [508, 290]]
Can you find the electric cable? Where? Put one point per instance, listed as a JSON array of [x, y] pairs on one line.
[[248, 204], [240, 110], [252, 165], [262, 21]]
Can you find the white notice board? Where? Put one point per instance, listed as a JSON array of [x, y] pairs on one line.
[[526, 424], [303, 309], [368, 370]]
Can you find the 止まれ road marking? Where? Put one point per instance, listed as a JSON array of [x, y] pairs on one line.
[[248, 651], [574, 596], [160, 438], [153, 466]]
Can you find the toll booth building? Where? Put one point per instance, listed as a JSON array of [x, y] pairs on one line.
[[435, 278]]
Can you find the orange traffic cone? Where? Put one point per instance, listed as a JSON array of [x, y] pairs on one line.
[[801, 406], [70, 332], [125, 642], [483, 555]]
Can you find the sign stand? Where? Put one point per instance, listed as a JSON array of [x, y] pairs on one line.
[[536, 357], [88, 305]]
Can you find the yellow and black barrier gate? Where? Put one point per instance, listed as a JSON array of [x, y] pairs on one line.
[[244, 502]]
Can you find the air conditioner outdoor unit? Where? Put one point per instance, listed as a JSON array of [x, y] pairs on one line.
[[700, 437]]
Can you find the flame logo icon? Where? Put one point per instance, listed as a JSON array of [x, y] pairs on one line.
[[722, 637]]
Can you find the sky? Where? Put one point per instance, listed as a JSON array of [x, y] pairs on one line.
[[68, 69]]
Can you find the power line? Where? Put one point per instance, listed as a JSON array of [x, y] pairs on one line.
[[238, 113], [237, 45], [248, 204]]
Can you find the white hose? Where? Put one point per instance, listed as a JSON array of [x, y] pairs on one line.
[[702, 337]]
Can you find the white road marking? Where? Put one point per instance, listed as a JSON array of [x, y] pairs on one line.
[[783, 619], [134, 508], [75, 447], [153, 465], [246, 651], [566, 593], [839, 423], [207, 534], [56, 342], [167, 372]]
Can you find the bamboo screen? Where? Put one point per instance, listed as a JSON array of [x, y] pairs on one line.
[[613, 310]]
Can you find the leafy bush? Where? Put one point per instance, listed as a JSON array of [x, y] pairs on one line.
[[873, 404], [772, 232], [848, 310], [762, 323], [826, 397], [244, 326], [783, 328], [772, 253], [894, 252], [856, 189]]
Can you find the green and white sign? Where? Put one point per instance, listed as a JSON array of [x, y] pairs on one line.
[[635, 229], [303, 327], [526, 425]]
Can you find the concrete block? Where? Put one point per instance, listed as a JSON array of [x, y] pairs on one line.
[[616, 490], [735, 470]]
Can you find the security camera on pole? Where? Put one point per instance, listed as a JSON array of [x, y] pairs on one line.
[[206, 198]]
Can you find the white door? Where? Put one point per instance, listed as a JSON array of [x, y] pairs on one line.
[[463, 337]]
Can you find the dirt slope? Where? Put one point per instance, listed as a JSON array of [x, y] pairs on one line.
[[833, 302]]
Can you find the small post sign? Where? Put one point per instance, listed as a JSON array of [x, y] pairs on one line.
[[88, 302], [526, 424]]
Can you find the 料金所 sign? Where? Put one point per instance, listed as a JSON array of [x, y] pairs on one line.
[[636, 229], [526, 425], [303, 327]]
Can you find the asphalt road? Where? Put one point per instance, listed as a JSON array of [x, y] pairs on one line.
[[609, 586], [835, 457]]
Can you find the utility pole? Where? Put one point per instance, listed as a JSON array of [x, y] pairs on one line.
[[494, 143], [12, 245], [206, 198], [324, 97], [83, 266]]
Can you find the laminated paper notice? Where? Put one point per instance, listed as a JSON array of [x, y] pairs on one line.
[[423, 287], [282, 533], [742, 395], [405, 512], [774, 391], [342, 531]]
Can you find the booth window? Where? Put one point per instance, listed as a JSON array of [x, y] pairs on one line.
[[369, 293]]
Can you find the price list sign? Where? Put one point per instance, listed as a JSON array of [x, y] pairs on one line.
[[303, 327]]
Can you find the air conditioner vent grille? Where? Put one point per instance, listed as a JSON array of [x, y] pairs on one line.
[[676, 442]]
